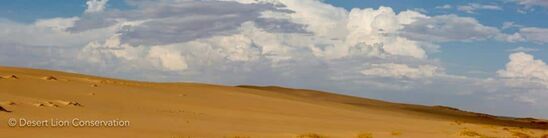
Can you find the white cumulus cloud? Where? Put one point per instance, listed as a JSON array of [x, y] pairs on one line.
[[169, 59], [524, 68]]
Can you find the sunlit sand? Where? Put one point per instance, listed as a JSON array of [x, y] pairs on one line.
[[202, 110]]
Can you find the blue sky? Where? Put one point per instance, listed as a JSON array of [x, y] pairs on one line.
[[456, 53]]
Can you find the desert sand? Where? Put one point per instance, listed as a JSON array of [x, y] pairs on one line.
[[182, 110]]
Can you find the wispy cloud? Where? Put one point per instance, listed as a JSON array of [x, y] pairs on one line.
[[445, 28], [522, 49], [530, 3], [508, 25], [535, 34], [446, 6], [473, 7]]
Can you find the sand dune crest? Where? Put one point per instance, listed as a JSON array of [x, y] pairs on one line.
[[51, 78], [2, 109], [10, 77]]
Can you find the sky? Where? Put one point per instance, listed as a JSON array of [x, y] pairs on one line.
[[483, 56]]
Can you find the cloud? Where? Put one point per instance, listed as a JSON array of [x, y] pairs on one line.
[[508, 25], [370, 28], [472, 7], [530, 3], [169, 59], [94, 6], [189, 21], [251, 47], [111, 47], [524, 80], [522, 49], [446, 6], [524, 69], [345, 33], [335, 25], [401, 71], [179, 21], [527, 34], [320, 18], [448, 28], [56, 24], [534, 34]]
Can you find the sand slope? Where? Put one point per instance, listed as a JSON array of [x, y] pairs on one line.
[[201, 110]]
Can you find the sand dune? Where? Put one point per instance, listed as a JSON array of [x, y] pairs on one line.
[[2, 109], [203, 110]]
